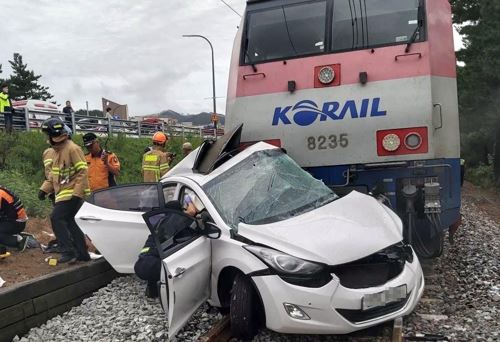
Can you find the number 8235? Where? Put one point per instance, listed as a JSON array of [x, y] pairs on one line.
[[324, 142]]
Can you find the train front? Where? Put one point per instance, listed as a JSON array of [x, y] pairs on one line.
[[361, 93]]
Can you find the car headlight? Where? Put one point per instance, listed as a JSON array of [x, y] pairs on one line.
[[284, 263]]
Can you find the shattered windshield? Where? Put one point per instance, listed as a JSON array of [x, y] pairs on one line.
[[266, 187]]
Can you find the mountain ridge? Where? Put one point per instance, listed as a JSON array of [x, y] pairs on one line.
[[199, 119]]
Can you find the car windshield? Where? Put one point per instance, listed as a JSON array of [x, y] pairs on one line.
[[266, 187]]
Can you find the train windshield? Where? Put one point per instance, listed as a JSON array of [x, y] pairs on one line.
[[279, 30]]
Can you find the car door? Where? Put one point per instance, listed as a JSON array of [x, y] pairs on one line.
[[186, 265], [112, 219]]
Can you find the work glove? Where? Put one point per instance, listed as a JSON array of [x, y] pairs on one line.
[[41, 195]]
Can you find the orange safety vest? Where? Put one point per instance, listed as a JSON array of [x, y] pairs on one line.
[[99, 173], [11, 207]]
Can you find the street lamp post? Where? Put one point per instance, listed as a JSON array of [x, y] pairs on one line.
[[213, 71]]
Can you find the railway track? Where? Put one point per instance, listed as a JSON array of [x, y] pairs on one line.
[[430, 308]]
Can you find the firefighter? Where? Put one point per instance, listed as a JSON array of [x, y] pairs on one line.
[[103, 165], [47, 159], [155, 163], [12, 220], [68, 181]]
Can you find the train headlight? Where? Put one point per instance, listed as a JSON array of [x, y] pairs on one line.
[[413, 141], [391, 142], [326, 75]]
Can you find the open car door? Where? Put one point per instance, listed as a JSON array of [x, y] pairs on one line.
[[186, 255], [112, 219]]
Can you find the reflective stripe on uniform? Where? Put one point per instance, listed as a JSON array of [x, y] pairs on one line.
[[151, 158], [69, 171], [47, 162], [164, 166], [81, 165], [145, 250], [64, 194]]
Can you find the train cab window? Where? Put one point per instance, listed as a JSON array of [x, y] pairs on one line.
[[361, 24], [344, 32], [285, 31], [391, 21]]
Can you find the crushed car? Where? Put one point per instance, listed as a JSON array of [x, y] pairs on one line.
[[271, 245]]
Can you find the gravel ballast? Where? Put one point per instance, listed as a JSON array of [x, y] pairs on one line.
[[119, 312], [464, 286], [462, 301]]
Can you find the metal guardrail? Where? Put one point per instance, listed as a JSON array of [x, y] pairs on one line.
[[27, 120]]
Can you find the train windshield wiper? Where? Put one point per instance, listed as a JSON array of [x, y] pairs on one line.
[[420, 24]]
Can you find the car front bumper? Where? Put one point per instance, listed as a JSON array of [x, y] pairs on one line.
[[334, 309]]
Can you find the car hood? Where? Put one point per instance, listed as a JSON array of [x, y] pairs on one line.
[[342, 231]]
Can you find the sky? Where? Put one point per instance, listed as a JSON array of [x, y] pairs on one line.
[[127, 51], [131, 52]]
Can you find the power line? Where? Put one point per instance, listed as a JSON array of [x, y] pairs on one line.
[[232, 9]]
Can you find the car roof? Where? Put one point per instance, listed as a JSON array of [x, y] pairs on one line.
[[185, 167]]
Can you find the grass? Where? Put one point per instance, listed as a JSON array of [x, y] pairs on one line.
[[21, 167], [482, 176]]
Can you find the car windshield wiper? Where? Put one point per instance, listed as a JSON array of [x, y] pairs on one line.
[[327, 200], [420, 19]]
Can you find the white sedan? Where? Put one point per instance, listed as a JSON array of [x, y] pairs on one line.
[[273, 246]]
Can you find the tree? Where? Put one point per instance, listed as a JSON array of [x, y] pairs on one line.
[[465, 10], [479, 79], [23, 84]]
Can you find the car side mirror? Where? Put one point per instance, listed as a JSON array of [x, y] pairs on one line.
[[211, 231]]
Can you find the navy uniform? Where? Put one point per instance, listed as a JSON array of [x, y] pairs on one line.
[[148, 265]]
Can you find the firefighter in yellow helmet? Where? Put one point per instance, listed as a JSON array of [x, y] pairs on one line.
[[156, 162]]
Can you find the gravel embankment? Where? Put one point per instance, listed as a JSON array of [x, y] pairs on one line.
[[463, 296], [119, 312], [465, 284]]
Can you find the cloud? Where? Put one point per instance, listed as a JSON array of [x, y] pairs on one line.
[[130, 52]]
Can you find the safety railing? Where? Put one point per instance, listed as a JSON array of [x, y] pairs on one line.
[[26, 120]]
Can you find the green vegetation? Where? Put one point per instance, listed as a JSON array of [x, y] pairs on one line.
[[481, 175], [27, 190], [479, 87], [21, 167]]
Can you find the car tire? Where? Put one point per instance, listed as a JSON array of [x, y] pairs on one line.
[[243, 309]]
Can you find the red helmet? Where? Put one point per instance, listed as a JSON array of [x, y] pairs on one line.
[[160, 138]]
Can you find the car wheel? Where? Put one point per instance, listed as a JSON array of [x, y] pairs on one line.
[[243, 308]]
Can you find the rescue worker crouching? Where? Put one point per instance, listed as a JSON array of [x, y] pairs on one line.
[[103, 166], [13, 220], [156, 162], [148, 265], [68, 181]]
